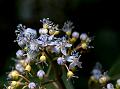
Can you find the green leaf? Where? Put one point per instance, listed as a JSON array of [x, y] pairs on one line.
[[114, 71], [68, 83]]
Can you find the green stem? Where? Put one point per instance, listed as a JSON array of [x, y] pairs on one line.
[[58, 75], [57, 72], [48, 71]]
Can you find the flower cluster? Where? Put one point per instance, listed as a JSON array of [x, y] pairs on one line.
[[38, 50], [102, 80]]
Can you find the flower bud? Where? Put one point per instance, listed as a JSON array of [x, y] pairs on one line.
[[32, 85], [42, 58], [45, 26], [73, 39], [103, 79], [51, 32], [118, 84], [83, 36], [19, 53], [23, 63], [70, 74], [84, 45], [40, 74], [15, 84], [28, 68], [68, 33], [110, 86], [75, 34], [92, 78], [14, 74], [10, 87], [19, 67]]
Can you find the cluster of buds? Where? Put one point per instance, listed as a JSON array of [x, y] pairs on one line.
[[98, 76], [102, 80], [52, 44], [112, 86]]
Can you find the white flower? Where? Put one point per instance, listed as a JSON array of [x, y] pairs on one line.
[[56, 49], [43, 31], [21, 40], [31, 85], [40, 73], [60, 60], [43, 40], [31, 55], [74, 61], [63, 45], [34, 46], [19, 53], [47, 23], [30, 33]]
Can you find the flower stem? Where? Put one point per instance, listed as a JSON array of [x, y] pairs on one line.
[[58, 75]]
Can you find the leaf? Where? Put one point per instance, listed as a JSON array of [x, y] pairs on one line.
[[114, 71], [68, 83]]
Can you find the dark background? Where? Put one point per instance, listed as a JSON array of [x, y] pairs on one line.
[[101, 18]]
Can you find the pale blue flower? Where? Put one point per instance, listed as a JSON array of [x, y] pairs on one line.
[[30, 33], [60, 60], [34, 46], [63, 45], [42, 40]]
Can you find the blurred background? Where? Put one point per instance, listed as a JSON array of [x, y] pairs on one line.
[[101, 18]]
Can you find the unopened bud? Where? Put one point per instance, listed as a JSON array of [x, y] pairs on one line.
[[13, 74], [70, 74], [28, 68]]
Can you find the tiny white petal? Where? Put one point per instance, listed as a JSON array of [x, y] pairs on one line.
[[63, 50]]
